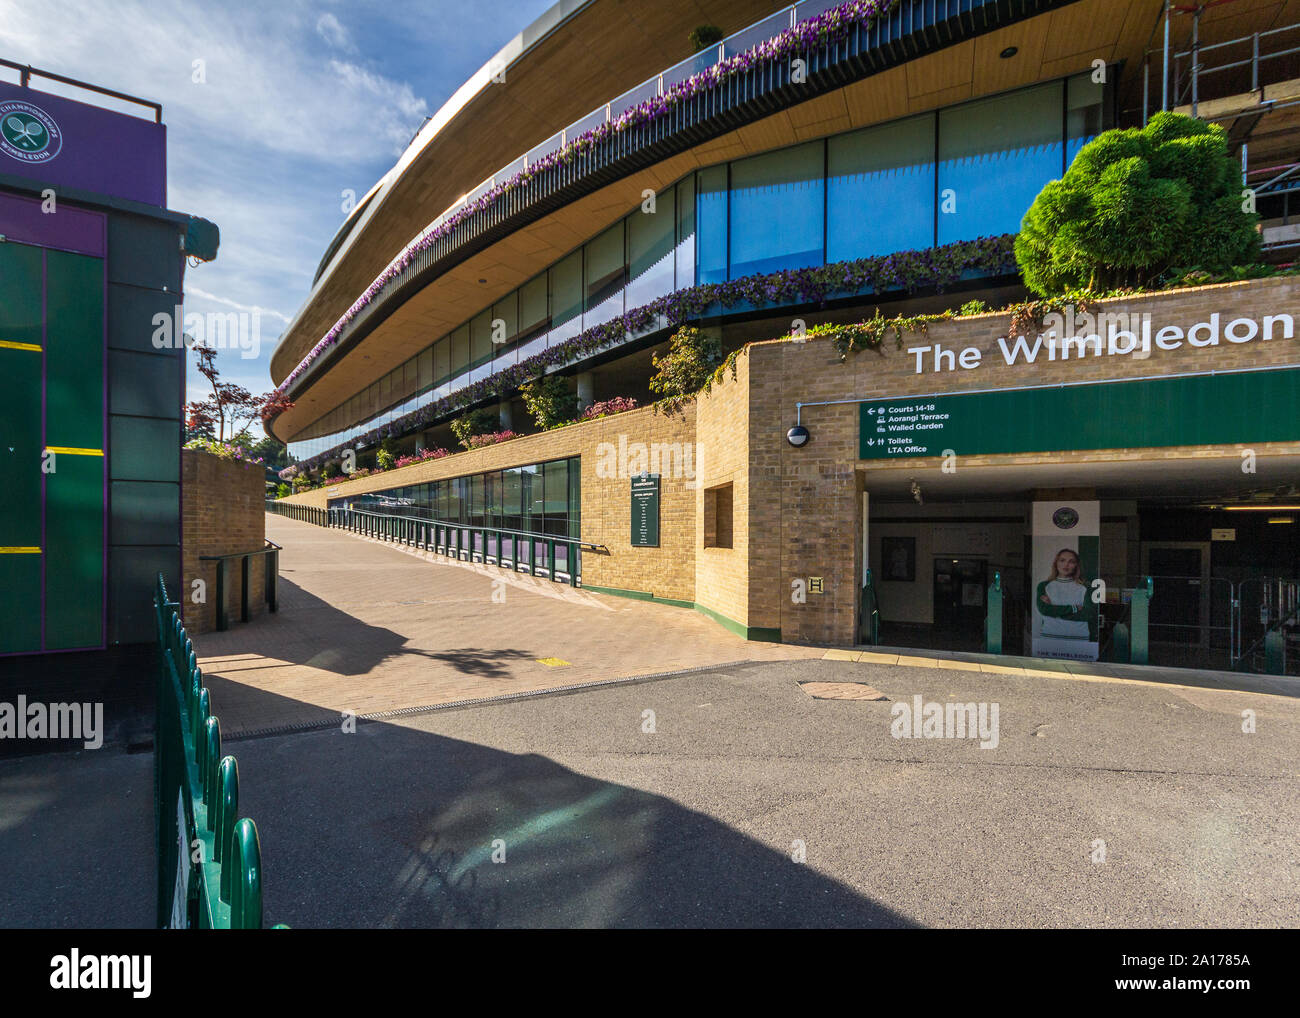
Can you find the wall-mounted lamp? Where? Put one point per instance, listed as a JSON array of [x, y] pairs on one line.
[[797, 436]]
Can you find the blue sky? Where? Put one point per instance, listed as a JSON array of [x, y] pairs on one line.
[[301, 102]]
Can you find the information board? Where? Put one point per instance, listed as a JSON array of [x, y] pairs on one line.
[[645, 511]]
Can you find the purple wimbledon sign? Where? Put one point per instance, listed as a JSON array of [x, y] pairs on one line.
[[65, 143]]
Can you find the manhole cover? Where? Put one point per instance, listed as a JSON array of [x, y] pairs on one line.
[[841, 691]]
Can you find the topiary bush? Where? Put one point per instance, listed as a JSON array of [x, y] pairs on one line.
[[1136, 202]]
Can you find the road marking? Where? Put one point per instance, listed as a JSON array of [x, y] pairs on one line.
[[552, 662]]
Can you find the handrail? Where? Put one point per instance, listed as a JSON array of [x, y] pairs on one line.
[[270, 583], [209, 863], [461, 541], [25, 72]]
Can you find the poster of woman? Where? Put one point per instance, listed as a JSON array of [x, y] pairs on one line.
[[1065, 554]]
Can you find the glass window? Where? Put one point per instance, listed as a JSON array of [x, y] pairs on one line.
[[650, 238], [777, 208], [575, 496], [511, 498], [531, 498], [424, 369], [441, 361], [1084, 108], [711, 225], [505, 324], [566, 298], [685, 255], [385, 390], [460, 350], [480, 338], [995, 155], [881, 196], [605, 276], [492, 498]]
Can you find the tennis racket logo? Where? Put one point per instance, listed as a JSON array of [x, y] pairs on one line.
[[28, 133]]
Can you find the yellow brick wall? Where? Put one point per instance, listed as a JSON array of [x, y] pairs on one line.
[[797, 513], [223, 513]]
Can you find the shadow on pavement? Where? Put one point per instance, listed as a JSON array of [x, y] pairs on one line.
[[393, 827]]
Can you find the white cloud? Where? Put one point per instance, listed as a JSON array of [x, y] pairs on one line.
[[194, 291], [329, 29]]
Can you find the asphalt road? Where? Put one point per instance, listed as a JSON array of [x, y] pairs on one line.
[[697, 824]]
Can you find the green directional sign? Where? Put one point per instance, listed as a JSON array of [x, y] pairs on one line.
[[1247, 406], [645, 511]]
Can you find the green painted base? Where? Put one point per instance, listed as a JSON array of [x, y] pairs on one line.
[[744, 632]]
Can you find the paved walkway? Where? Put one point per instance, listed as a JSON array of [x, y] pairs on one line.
[[368, 628]]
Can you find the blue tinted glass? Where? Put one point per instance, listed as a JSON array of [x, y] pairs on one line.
[[685, 234], [566, 298], [777, 208], [711, 225], [1084, 104], [881, 196], [650, 237], [995, 155]]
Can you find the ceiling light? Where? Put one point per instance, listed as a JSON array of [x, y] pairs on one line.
[[1261, 508], [1009, 52]]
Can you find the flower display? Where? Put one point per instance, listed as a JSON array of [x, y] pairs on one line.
[[224, 450], [828, 27], [906, 270]]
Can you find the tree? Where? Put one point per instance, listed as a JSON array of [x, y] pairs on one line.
[[1136, 203], [231, 410]]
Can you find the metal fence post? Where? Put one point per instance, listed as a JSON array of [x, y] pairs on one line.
[[1139, 617], [993, 619]]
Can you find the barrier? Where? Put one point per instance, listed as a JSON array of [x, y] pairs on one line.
[[557, 558], [209, 862]]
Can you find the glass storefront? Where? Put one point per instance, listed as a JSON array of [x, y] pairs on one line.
[[956, 174], [540, 498]]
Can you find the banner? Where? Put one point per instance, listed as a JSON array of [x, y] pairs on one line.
[[1064, 561]]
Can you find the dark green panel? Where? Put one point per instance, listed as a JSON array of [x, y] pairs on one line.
[[1253, 406], [20, 290], [144, 450], [74, 337], [74, 552], [20, 431], [132, 573], [131, 313], [144, 252], [145, 512], [20, 603], [144, 384]]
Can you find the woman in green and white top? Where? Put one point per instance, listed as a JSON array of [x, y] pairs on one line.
[[1063, 600]]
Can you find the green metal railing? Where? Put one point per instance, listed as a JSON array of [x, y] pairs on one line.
[[209, 863], [557, 558], [870, 612]]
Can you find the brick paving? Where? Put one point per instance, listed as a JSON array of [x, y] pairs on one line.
[[367, 628]]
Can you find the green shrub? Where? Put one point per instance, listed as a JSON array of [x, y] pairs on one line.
[[1134, 203], [549, 401], [973, 307], [689, 364], [476, 422], [704, 36]]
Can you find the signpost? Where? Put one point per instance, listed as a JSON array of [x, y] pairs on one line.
[[1253, 406], [645, 511]]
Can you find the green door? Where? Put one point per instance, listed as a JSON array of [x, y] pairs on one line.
[[51, 450]]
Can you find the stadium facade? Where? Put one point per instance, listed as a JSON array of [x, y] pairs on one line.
[[597, 185]]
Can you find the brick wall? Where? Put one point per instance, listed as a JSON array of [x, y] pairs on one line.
[[607, 447], [224, 512], [797, 513]]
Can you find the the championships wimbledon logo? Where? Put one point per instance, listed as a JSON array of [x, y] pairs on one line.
[[1065, 518], [28, 133]]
